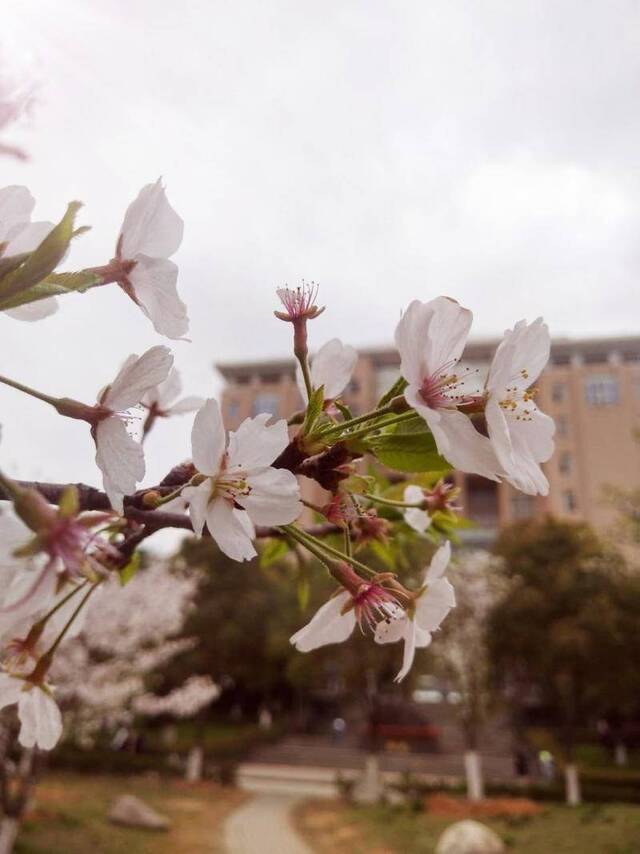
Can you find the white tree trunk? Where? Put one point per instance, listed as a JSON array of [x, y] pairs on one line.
[[620, 754], [8, 832], [572, 783], [370, 789], [473, 773], [195, 761]]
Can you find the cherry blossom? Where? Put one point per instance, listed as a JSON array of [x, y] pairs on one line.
[[331, 367], [118, 456], [431, 338], [40, 718], [151, 233], [299, 303], [19, 235], [161, 401], [423, 615], [416, 517], [240, 487], [366, 603], [521, 434]]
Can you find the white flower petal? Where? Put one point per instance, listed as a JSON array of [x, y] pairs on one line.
[[208, 438], [28, 238], [254, 445], [151, 226], [16, 206], [331, 367], [417, 519], [274, 498], [410, 335], [13, 533], [392, 629], [40, 719], [198, 499], [328, 625], [462, 445], [154, 282], [409, 651], [166, 392], [439, 562], [120, 459], [231, 529], [434, 604], [187, 404], [431, 337], [10, 690], [33, 311], [137, 376]]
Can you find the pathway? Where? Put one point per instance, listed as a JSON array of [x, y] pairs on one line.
[[263, 826]]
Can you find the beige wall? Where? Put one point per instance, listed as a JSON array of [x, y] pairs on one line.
[[595, 443]]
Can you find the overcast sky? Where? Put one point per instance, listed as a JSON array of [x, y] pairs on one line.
[[484, 150]]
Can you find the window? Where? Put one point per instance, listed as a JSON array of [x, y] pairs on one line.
[[558, 392], [233, 410], [631, 356], [595, 358], [561, 359], [270, 378], [265, 403], [353, 387], [562, 425], [564, 463], [601, 390], [569, 501], [243, 379], [522, 506]]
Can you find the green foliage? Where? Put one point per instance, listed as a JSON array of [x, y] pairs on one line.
[[567, 625], [314, 411], [408, 447], [56, 284], [40, 263], [127, 572], [272, 552], [397, 388]]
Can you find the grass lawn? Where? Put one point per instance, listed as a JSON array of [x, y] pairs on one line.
[[69, 816], [331, 827]]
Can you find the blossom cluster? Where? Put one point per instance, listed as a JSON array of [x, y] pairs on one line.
[[60, 544]]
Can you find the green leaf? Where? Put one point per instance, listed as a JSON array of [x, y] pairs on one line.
[[54, 285], [273, 551], [343, 410], [408, 447], [127, 572], [7, 265], [397, 388], [303, 590], [43, 260], [314, 410]]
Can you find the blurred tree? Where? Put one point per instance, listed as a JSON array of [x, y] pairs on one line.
[[566, 629]]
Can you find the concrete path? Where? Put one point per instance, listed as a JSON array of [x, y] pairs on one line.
[[263, 826]]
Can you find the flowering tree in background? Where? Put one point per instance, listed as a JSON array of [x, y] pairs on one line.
[[64, 546], [103, 674]]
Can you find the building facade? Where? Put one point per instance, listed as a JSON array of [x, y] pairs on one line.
[[591, 388]]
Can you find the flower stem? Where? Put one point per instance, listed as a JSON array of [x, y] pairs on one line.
[[53, 401], [313, 544], [43, 620], [399, 419], [49, 653], [360, 419], [387, 502]]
